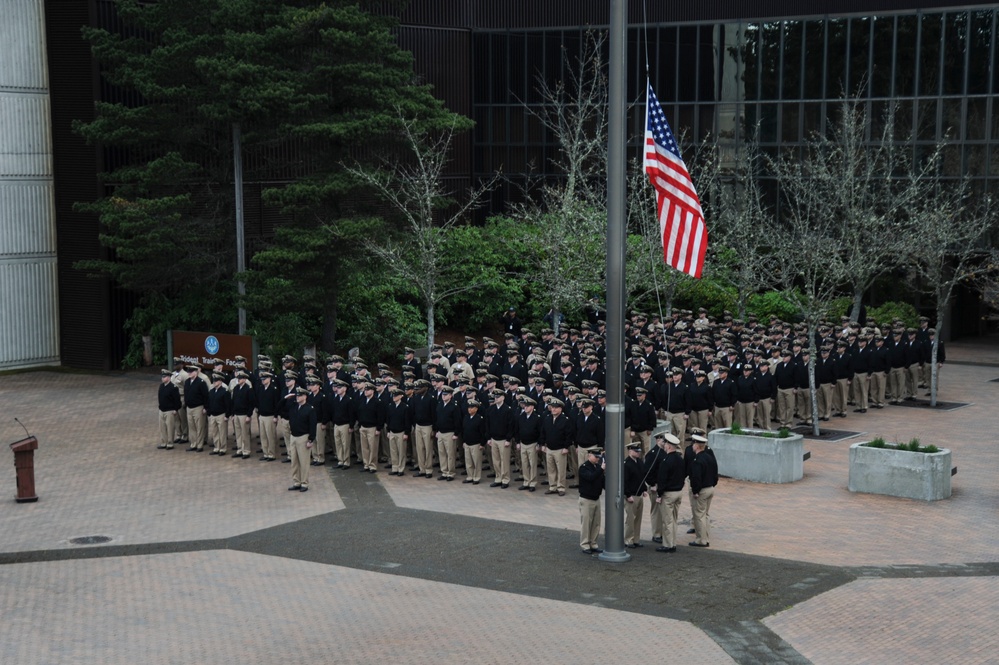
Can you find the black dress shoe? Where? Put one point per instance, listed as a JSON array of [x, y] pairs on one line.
[[304, 488], [630, 546], [450, 478], [550, 492], [475, 482], [694, 543], [504, 486], [657, 539], [494, 484], [688, 531], [388, 466], [295, 488], [669, 550], [466, 481], [441, 477], [596, 550], [191, 450], [417, 475], [491, 475], [236, 454], [287, 460], [162, 446], [863, 410], [638, 545], [523, 487], [261, 459], [518, 478], [545, 482], [587, 551], [532, 489], [573, 486]]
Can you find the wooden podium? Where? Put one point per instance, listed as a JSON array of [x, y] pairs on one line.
[[24, 463]]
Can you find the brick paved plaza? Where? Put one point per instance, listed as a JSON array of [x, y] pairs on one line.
[[212, 559]]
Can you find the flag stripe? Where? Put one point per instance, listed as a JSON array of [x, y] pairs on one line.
[[681, 220]]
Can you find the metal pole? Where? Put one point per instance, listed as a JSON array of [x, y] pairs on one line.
[[237, 167], [616, 147]]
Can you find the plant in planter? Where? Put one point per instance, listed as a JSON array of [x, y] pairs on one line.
[[761, 456], [909, 470]]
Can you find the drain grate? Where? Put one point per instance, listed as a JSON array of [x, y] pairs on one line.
[[90, 540]]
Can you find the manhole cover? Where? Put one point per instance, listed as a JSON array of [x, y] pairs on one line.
[[90, 540]]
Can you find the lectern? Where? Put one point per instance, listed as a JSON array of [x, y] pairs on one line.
[[24, 463]]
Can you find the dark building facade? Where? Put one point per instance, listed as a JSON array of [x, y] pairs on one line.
[[717, 68]]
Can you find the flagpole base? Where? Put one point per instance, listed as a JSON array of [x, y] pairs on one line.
[[614, 557]]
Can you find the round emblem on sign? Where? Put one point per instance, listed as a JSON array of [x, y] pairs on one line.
[[211, 344]]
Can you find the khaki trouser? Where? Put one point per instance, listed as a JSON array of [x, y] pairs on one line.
[[803, 401], [877, 388], [699, 419], [743, 414], [424, 445], [241, 424], [678, 426], [284, 432], [841, 396], [581, 454], [473, 461], [723, 417], [196, 425], [369, 447], [861, 385], [826, 396], [589, 523], [268, 436], [633, 519], [319, 449], [447, 444], [529, 463], [897, 384], [654, 519], [299, 452], [763, 410], [168, 428], [701, 508], [912, 376], [218, 433], [183, 430], [644, 438], [785, 406], [669, 511], [397, 450], [341, 444], [501, 460], [555, 463]]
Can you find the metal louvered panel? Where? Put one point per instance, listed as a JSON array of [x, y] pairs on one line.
[[22, 45], [29, 329], [25, 135], [29, 308], [27, 218]]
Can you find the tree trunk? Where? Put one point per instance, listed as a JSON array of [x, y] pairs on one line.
[[327, 337], [670, 292], [858, 296], [933, 354], [812, 352], [430, 325]]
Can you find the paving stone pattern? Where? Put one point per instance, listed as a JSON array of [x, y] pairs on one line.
[[214, 559]]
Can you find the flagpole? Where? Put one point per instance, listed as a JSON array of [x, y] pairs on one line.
[[616, 146]]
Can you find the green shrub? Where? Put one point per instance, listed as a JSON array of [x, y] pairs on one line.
[[736, 429], [783, 433], [772, 303], [884, 314], [929, 449], [876, 443]]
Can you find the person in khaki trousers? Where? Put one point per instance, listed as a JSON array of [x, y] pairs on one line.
[[591, 486], [669, 493], [634, 487], [169, 405]]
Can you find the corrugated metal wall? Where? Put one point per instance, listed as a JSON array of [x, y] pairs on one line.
[[29, 311]]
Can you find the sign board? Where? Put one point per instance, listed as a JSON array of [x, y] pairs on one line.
[[201, 347]]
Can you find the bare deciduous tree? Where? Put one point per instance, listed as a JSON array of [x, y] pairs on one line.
[[950, 232], [415, 189]]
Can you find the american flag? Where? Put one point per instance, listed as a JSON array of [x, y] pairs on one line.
[[681, 221]]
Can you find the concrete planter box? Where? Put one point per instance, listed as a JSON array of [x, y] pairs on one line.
[[901, 473], [759, 459]]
